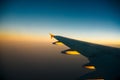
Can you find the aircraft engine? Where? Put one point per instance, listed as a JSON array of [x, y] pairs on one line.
[[71, 52], [57, 43]]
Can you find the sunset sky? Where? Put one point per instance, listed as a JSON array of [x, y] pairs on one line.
[[27, 52], [89, 20]]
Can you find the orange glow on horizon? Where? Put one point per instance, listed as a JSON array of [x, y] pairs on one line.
[[21, 37], [12, 36], [108, 42]]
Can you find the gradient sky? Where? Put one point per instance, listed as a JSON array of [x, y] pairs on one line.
[[80, 19], [32, 20]]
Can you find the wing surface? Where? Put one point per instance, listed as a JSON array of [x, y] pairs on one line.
[[105, 59]]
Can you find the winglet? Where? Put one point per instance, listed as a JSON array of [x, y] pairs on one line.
[[51, 35]]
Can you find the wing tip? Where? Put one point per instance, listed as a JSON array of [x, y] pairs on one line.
[[51, 35]]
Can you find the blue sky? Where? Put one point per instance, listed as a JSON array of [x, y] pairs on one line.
[[73, 18]]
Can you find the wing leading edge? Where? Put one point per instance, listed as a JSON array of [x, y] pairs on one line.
[[105, 59]]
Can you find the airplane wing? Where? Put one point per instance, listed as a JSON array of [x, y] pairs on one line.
[[103, 59]]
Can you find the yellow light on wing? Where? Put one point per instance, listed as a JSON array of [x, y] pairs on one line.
[[90, 67], [95, 79], [58, 43], [72, 52]]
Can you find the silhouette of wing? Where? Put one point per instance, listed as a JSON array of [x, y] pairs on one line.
[[103, 59]]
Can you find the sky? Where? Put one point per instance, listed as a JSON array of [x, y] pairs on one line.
[[89, 20]]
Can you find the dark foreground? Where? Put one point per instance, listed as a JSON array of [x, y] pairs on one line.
[[39, 61]]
